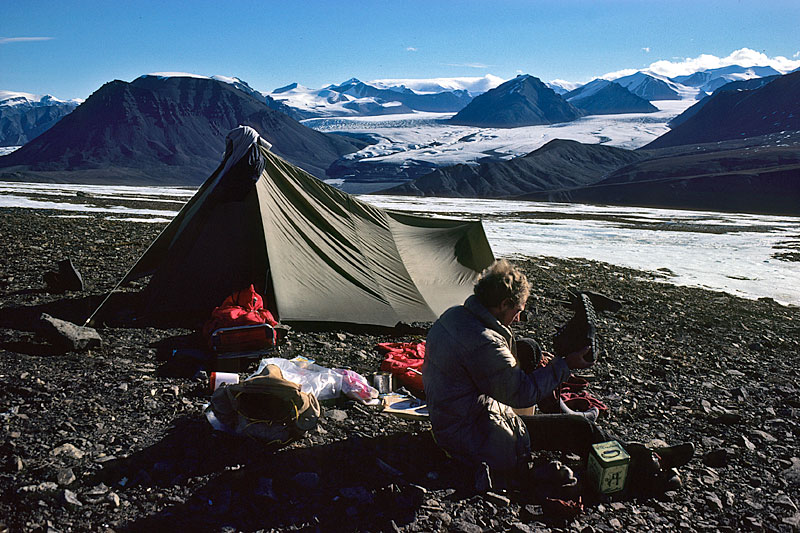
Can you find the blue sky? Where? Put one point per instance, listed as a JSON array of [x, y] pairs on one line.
[[70, 48]]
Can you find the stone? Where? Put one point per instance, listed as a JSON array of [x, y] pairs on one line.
[[519, 527], [444, 517], [113, 499], [744, 441], [65, 476], [713, 502], [792, 474], [716, 458], [497, 499], [763, 436], [68, 450], [358, 494], [71, 498], [462, 526], [45, 486], [784, 499], [530, 512], [336, 414], [66, 335], [726, 418]]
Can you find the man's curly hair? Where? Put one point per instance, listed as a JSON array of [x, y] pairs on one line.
[[499, 281]]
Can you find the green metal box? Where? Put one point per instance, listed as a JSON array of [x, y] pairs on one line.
[[608, 466]]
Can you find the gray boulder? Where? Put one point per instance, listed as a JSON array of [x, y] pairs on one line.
[[67, 335]]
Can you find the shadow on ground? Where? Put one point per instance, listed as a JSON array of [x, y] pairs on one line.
[[357, 483]]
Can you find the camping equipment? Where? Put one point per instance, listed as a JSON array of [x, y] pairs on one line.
[[243, 338], [404, 406], [265, 406], [227, 329], [382, 381], [323, 383], [608, 466], [240, 330], [317, 253], [222, 378]]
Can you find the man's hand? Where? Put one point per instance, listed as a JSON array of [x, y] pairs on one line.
[[577, 359]]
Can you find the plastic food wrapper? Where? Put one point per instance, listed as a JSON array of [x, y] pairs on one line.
[[324, 383]]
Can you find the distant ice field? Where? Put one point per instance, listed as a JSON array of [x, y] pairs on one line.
[[426, 137], [735, 253]]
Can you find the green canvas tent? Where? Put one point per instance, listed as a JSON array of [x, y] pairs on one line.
[[317, 253]]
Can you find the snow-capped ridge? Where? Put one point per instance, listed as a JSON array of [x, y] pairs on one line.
[[13, 98], [356, 98]]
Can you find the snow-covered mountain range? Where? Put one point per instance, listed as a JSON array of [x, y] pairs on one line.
[[407, 121], [24, 116]]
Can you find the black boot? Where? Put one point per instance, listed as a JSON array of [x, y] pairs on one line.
[[580, 331], [675, 456]]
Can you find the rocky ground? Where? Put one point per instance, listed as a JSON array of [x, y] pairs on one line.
[[101, 440]]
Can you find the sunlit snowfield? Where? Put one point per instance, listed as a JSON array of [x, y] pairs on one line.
[[426, 137], [735, 253]]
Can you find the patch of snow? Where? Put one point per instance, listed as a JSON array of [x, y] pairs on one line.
[[5, 150], [695, 256]]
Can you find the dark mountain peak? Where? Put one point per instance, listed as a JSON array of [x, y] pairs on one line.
[[167, 129], [603, 97], [738, 114], [521, 101]]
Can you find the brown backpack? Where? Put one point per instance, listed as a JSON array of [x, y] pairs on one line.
[[266, 407]]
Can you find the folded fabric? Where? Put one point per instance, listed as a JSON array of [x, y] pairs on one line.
[[404, 361]]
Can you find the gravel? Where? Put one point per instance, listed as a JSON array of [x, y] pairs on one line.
[[100, 440]]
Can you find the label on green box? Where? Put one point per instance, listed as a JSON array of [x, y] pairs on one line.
[[608, 466]]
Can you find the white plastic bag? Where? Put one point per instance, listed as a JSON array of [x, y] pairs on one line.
[[324, 383]]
